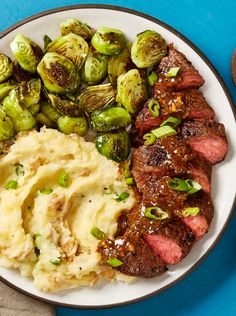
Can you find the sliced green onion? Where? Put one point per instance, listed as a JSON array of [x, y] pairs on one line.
[[163, 131], [155, 213], [173, 121], [193, 186], [63, 179], [152, 78], [97, 233], [154, 107], [129, 181], [172, 72], [122, 196], [127, 172], [190, 211], [149, 139], [46, 190], [114, 262], [56, 262], [189, 186], [19, 169], [11, 185]]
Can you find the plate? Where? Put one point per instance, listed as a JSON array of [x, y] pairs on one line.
[[223, 190]]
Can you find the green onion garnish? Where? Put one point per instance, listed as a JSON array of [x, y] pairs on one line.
[[56, 262], [97, 233], [190, 211], [63, 179], [152, 78], [149, 139], [173, 121], [11, 185], [122, 196], [46, 190], [163, 131], [19, 169], [172, 72], [154, 107], [114, 262], [129, 181], [189, 186], [155, 213]]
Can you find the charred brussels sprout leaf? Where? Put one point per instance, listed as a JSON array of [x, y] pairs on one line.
[[94, 68], [27, 53], [109, 119], [69, 125], [96, 97], [118, 65], [109, 41], [6, 67], [58, 73], [19, 74], [65, 107], [131, 91], [5, 88], [148, 49], [113, 145], [72, 46], [6, 126], [28, 93], [77, 27], [46, 40]]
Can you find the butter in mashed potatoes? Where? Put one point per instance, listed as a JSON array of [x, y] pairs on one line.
[[45, 229]]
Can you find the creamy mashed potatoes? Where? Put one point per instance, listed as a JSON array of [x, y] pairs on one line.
[[45, 229]]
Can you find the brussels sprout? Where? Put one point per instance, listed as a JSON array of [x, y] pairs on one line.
[[26, 52], [6, 126], [94, 68], [148, 49], [131, 91], [46, 40], [69, 125], [72, 46], [58, 73], [110, 118], [96, 97], [77, 27], [6, 67], [49, 111], [109, 41], [34, 108], [44, 120], [28, 93], [113, 145], [118, 65], [65, 107], [5, 88], [20, 74]]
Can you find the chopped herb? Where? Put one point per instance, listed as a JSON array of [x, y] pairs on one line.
[[11, 185], [63, 179], [154, 107], [122, 196], [155, 213], [190, 211], [152, 78], [149, 139], [163, 131], [46, 191], [56, 262], [129, 181], [172, 121], [97, 233], [173, 72], [114, 262], [19, 169]]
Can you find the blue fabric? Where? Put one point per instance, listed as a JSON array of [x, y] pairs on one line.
[[211, 25]]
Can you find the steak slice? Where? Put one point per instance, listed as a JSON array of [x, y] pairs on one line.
[[172, 242], [188, 76], [208, 138]]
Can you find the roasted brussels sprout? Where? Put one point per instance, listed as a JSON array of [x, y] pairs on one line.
[[49, 111], [148, 49], [72, 46], [109, 119], [28, 93], [34, 108], [65, 107], [131, 91], [69, 125], [109, 41], [5, 88], [118, 65], [19, 74], [6, 67], [6, 126], [58, 73], [46, 40], [77, 27], [27, 53], [96, 97], [44, 120], [113, 145], [94, 68]]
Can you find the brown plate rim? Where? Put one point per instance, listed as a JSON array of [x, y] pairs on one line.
[[226, 91]]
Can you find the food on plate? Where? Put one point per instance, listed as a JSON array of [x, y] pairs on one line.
[[130, 197]]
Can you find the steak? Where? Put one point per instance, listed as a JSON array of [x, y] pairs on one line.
[[208, 138]]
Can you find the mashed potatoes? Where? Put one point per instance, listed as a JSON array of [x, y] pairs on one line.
[[45, 229]]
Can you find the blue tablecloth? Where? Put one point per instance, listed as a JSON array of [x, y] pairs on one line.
[[211, 25]]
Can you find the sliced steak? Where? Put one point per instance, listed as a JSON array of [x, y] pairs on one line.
[[208, 138], [188, 76]]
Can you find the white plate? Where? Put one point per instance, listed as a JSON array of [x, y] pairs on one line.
[[223, 189]]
